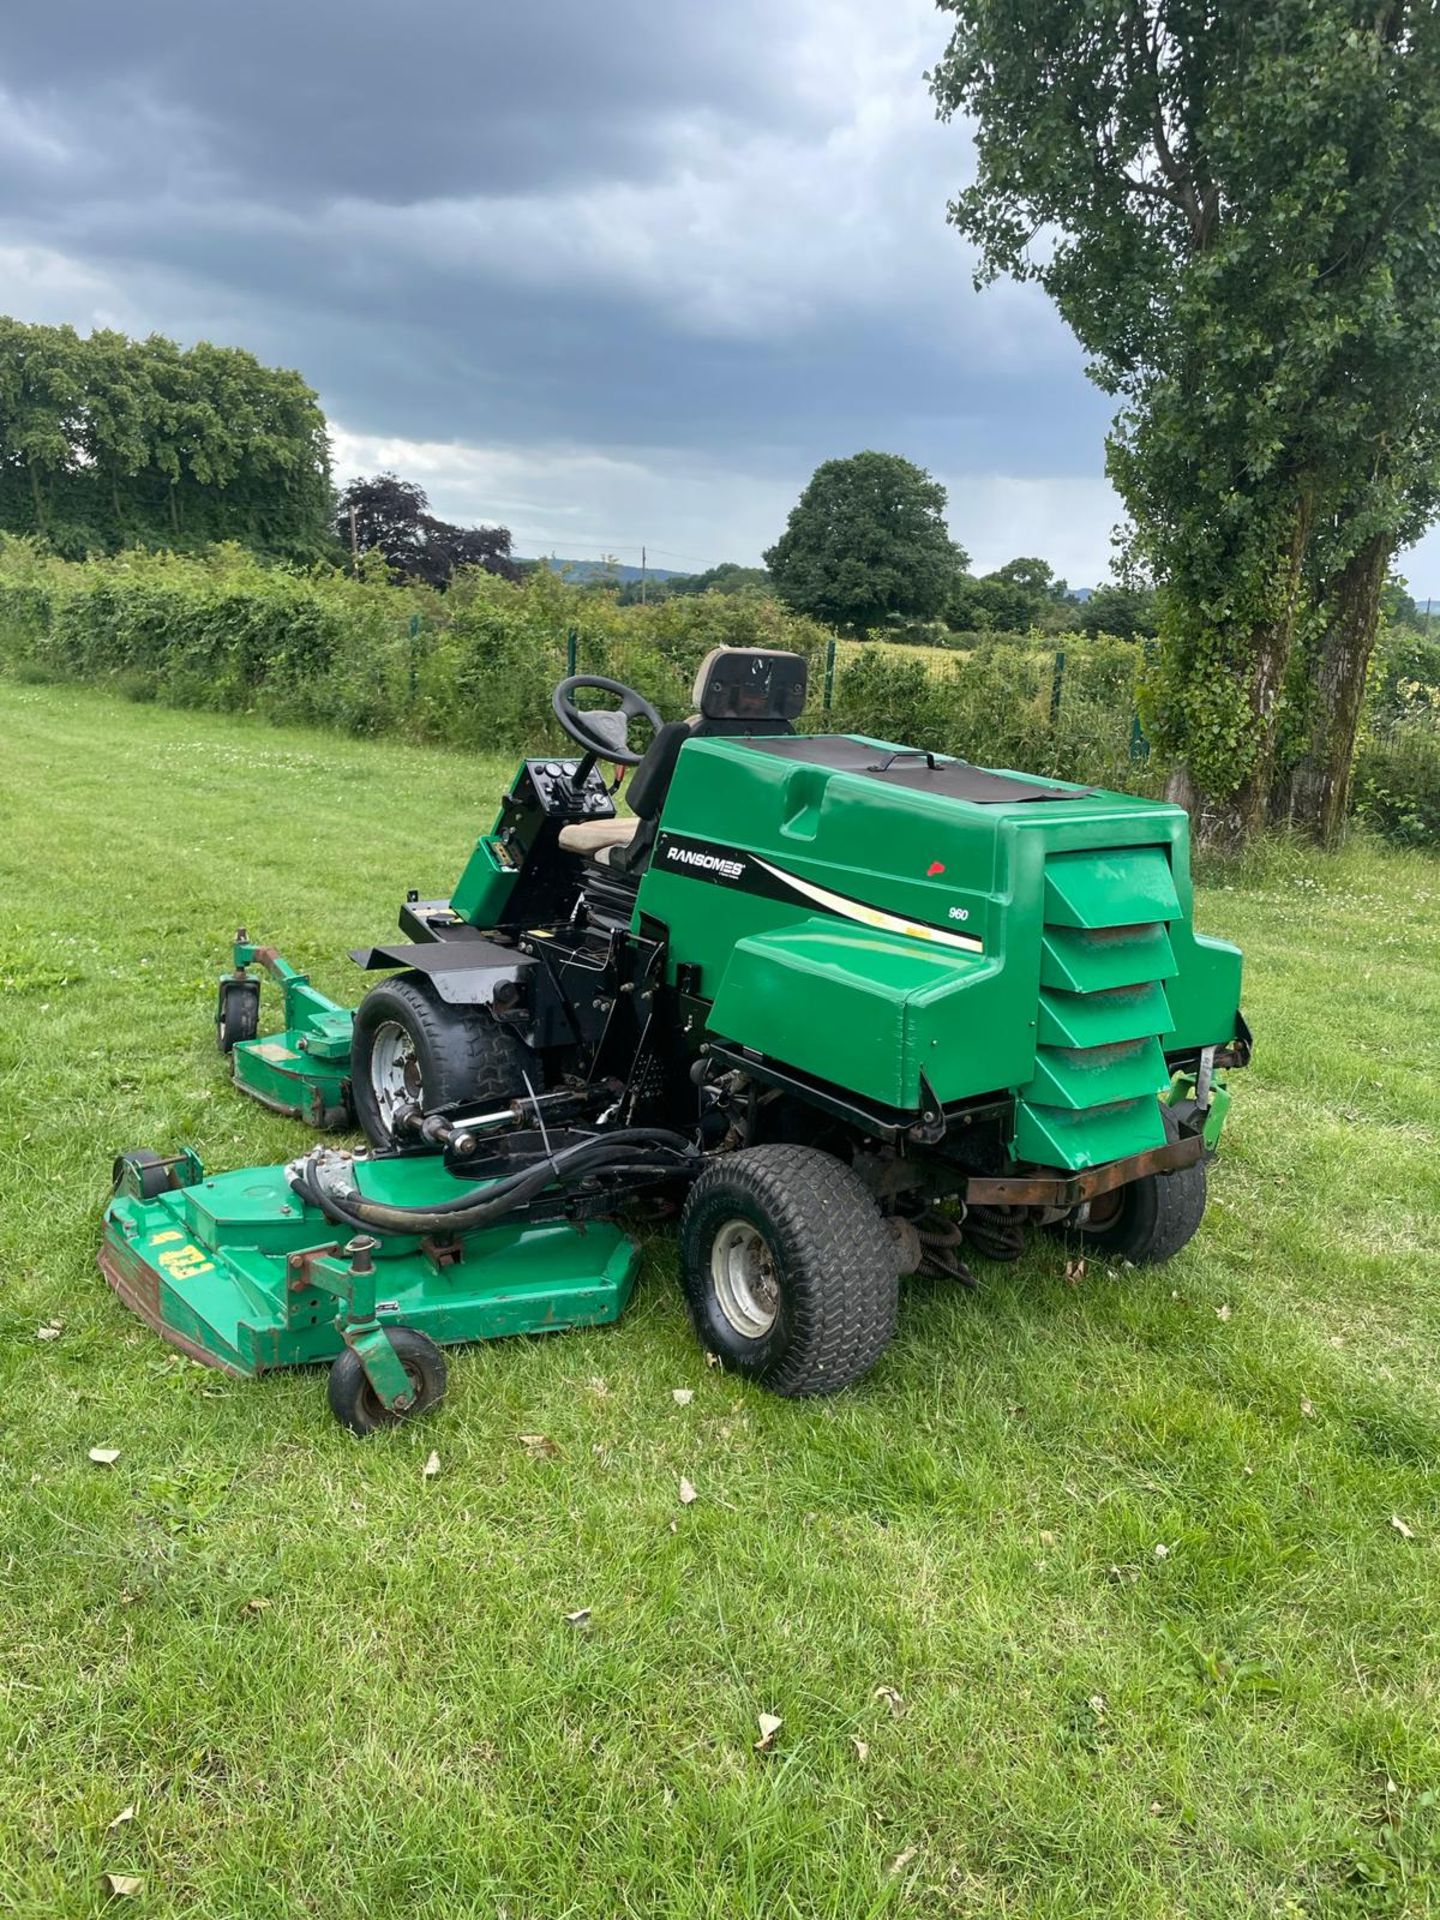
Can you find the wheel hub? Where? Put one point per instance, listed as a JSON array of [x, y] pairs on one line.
[[742, 1270], [395, 1077]]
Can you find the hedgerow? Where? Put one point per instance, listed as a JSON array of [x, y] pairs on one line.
[[474, 668]]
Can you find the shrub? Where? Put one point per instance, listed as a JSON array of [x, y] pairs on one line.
[[998, 705], [473, 669], [1397, 783]]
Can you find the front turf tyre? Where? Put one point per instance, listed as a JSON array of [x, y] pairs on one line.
[[411, 1049], [789, 1270], [355, 1403]]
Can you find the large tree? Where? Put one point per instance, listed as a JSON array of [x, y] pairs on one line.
[[1233, 203], [867, 543], [108, 442], [392, 516]]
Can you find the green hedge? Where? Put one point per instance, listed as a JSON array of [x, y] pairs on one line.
[[1397, 783], [474, 668], [1066, 709]]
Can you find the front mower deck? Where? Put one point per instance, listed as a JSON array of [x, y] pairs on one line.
[[236, 1270]]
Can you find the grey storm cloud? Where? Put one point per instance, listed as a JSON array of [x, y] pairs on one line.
[[661, 233], [303, 99]]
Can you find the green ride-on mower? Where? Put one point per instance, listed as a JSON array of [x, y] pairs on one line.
[[850, 1010]]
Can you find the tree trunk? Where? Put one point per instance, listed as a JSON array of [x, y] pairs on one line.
[[37, 493], [1227, 821], [1317, 794]]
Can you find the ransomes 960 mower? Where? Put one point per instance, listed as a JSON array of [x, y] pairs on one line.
[[852, 1010]]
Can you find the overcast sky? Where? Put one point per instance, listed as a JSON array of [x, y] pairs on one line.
[[605, 273]]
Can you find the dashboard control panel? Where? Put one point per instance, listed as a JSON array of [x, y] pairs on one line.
[[555, 789]]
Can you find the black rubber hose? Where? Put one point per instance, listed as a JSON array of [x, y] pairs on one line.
[[480, 1206], [552, 1165], [580, 1150]]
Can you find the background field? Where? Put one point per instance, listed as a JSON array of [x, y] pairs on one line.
[[1125, 1550]]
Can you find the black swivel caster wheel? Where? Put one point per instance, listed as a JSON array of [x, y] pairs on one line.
[[237, 1013], [355, 1403]]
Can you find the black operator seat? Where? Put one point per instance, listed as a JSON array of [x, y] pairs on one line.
[[738, 691]]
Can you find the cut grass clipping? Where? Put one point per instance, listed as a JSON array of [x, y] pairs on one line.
[[1107, 1593]]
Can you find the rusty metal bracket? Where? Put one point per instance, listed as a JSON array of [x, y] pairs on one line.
[[1072, 1190], [297, 1267]]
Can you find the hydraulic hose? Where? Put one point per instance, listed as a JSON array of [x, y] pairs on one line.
[[630, 1149]]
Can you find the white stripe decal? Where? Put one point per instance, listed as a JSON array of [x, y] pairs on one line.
[[872, 916]]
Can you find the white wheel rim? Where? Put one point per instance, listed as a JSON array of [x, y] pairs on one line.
[[394, 1072], [742, 1271]]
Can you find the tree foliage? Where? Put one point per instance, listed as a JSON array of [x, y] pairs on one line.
[[107, 442], [1244, 196], [391, 516], [1022, 594], [867, 543], [728, 577]]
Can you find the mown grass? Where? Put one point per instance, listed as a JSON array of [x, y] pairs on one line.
[[1124, 1549]]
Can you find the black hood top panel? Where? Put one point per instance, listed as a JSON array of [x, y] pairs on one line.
[[925, 773]]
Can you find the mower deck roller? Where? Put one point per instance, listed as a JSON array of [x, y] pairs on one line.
[[855, 1008]]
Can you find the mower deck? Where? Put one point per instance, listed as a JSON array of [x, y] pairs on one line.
[[237, 1271]]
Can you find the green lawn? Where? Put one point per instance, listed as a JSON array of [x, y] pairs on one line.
[[1125, 1550]]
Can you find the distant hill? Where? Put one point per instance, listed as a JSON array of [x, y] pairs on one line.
[[583, 570]]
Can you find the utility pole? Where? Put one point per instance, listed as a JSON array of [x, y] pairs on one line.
[[642, 576], [354, 542]]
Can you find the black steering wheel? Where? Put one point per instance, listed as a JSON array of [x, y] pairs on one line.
[[604, 731]]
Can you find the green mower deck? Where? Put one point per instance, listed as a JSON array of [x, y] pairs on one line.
[[237, 1271]]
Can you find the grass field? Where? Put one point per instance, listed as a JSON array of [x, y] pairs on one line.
[[1148, 1563]]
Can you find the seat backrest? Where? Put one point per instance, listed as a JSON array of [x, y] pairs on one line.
[[750, 690], [650, 781]]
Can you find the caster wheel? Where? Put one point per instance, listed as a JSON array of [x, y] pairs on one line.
[[355, 1403], [237, 1015]]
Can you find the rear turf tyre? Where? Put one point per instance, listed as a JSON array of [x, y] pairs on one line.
[[411, 1048], [1149, 1220], [355, 1403], [789, 1270]]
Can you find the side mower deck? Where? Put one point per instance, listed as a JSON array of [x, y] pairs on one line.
[[238, 1271]]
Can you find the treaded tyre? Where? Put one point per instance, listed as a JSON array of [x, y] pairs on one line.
[[410, 1047], [1150, 1219], [789, 1270], [355, 1403], [237, 1014]]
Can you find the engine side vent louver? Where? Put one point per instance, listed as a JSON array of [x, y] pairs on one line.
[[1104, 958]]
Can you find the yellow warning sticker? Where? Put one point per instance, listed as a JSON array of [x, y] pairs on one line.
[[183, 1263]]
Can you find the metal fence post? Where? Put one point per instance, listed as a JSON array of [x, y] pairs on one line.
[[572, 651], [829, 675], [414, 642], [1057, 684], [1139, 745]]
